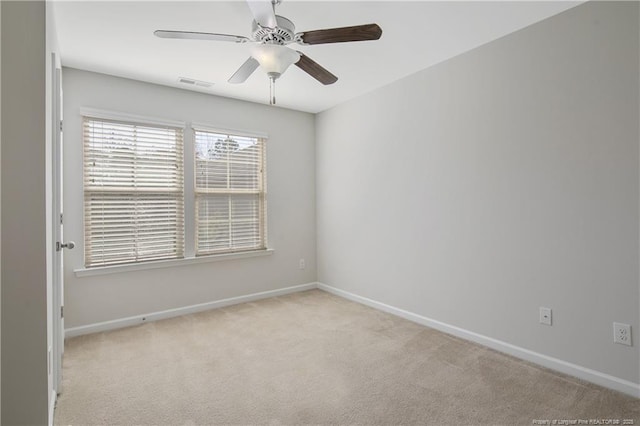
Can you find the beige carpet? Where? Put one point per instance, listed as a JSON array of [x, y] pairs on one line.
[[312, 358]]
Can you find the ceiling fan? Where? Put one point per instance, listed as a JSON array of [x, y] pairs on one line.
[[271, 34]]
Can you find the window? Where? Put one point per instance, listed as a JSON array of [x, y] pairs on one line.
[[133, 192], [229, 193], [137, 207]]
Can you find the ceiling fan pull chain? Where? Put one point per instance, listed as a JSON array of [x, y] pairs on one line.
[[272, 91], [271, 35]]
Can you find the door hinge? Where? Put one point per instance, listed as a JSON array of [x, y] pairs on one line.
[[61, 311], [61, 125], [60, 218]]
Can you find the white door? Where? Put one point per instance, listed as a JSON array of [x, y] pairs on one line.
[[58, 268]]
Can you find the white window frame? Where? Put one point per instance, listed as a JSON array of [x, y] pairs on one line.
[[189, 195], [261, 192]]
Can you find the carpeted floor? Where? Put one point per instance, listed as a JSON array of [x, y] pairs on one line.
[[312, 358]]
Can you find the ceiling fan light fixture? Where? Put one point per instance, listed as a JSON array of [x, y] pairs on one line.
[[272, 33], [274, 59]]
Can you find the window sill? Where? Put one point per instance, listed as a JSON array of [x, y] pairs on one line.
[[103, 270]]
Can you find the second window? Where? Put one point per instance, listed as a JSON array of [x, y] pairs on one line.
[[229, 193]]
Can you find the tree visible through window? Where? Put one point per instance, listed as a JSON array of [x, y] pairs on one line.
[[229, 192], [134, 192]]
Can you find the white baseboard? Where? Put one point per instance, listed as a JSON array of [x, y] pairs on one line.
[[170, 313], [578, 371]]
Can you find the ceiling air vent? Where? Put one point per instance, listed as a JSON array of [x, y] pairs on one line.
[[194, 82]]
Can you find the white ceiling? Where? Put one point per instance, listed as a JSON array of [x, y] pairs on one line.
[[116, 37]]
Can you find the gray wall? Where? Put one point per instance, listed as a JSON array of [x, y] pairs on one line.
[[290, 194], [497, 182], [24, 254], [0, 213]]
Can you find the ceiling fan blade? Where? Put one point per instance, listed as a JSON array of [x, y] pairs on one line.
[[244, 71], [314, 69], [199, 36], [341, 35], [263, 13]]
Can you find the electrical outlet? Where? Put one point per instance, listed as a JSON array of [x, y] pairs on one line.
[[302, 264], [545, 316], [622, 333]]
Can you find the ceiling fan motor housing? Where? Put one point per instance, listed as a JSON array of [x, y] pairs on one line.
[[283, 33], [271, 34]]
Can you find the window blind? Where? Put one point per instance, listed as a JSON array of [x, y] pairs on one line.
[[229, 193], [133, 192]]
